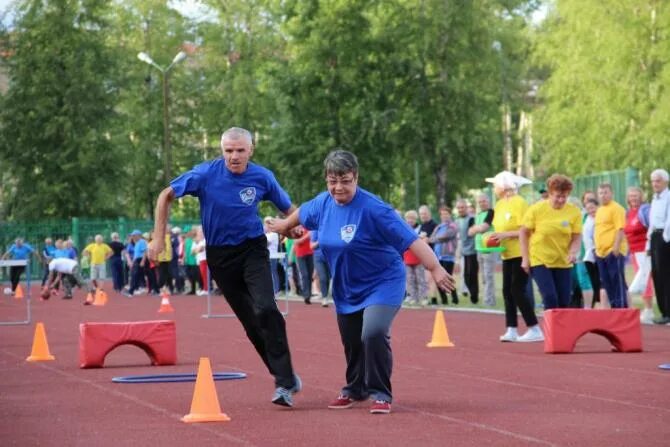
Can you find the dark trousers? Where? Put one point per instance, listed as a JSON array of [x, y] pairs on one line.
[[323, 272], [243, 274], [660, 271], [138, 273], [176, 274], [611, 270], [449, 267], [116, 266], [15, 273], [367, 348], [514, 290], [45, 274], [555, 285], [306, 267], [165, 276], [594, 276], [470, 276], [193, 274]]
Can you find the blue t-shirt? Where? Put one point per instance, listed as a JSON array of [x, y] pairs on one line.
[[61, 253], [48, 251], [140, 247], [22, 252], [228, 201], [362, 242]]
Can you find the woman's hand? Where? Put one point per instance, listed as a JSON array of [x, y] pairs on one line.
[[443, 279], [525, 265]]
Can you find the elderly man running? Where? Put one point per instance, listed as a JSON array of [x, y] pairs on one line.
[[229, 190]]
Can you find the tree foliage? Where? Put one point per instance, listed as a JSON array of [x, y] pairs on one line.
[[56, 116], [404, 84], [605, 103]]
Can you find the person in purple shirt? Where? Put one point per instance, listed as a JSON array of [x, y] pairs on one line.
[[362, 238], [229, 190]]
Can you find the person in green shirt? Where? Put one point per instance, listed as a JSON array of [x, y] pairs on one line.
[[190, 263]]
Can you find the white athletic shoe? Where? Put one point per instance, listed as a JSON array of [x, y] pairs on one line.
[[7, 291], [201, 292], [647, 316], [533, 334], [510, 336]]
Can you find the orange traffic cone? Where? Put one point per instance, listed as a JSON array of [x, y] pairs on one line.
[[100, 298], [18, 293], [440, 335], [165, 304], [40, 350], [205, 405]]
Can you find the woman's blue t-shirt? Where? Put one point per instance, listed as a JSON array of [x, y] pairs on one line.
[[228, 201], [362, 241]]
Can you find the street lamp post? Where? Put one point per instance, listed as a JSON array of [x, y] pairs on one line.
[[165, 72]]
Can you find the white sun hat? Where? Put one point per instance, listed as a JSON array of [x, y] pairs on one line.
[[508, 180]]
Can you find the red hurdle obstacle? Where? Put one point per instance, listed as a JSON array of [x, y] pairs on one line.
[[157, 338], [563, 327]]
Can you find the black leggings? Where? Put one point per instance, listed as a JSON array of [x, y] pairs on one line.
[[449, 267], [515, 281], [594, 276], [15, 273]]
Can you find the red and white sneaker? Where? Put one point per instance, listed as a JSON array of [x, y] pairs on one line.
[[341, 403], [380, 407]]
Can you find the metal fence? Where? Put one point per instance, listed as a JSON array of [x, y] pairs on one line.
[[81, 230]]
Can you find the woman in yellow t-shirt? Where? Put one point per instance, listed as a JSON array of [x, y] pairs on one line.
[[507, 216], [550, 239]]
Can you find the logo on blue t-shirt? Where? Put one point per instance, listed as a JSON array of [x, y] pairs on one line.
[[248, 195], [347, 233]]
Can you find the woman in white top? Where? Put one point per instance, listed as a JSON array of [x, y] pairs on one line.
[[588, 230], [273, 249]]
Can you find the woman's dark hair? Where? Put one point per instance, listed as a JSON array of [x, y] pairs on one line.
[[340, 162]]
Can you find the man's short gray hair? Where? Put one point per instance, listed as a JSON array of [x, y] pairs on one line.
[[235, 133], [662, 173], [340, 162]]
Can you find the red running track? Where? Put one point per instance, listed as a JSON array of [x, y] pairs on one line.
[[481, 392]]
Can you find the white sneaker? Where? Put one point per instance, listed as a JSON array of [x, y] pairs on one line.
[[324, 302], [511, 335], [201, 293], [647, 316], [533, 334]]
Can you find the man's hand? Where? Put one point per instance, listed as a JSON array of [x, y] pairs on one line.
[[525, 265], [156, 247]]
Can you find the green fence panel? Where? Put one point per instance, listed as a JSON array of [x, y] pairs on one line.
[[81, 230]]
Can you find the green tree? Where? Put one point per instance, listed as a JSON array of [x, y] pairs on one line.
[[605, 105], [55, 120]]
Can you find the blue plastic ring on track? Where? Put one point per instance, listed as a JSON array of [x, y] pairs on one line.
[[665, 366], [162, 378]]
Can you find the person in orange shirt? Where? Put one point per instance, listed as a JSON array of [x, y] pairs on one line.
[[611, 246]]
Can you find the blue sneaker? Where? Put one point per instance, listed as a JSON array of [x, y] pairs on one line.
[[284, 396]]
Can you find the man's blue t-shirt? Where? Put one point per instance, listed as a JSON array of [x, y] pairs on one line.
[[140, 247], [362, 242], [61, 253], [22, 252], [48, 251], [228, 201]]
